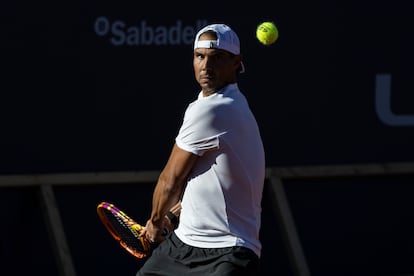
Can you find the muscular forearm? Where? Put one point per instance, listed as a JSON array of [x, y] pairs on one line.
[[168, 191], [166, 198]]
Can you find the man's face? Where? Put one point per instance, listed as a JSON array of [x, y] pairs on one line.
[[214, 68]]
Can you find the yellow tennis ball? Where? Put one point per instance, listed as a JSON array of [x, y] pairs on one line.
[[267, 33]]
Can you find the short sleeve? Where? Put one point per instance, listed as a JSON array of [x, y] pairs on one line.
[[200, 132]]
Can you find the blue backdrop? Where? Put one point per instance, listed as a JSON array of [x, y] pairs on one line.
[[103, 86]]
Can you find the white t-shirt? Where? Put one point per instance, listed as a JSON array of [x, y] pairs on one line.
[[221, 205]]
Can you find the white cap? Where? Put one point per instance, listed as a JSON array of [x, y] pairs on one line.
[[227, 40]]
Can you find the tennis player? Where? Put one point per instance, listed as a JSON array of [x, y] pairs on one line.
[[217, 168]]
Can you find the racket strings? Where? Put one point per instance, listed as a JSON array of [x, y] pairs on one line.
[[125, 230], [128, 224]]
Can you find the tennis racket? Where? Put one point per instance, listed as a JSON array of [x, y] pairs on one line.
[[124, 230]]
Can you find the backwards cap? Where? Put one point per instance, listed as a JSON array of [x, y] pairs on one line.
[[227, 40]]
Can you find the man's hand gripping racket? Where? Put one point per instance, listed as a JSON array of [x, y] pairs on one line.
[[127, 231]]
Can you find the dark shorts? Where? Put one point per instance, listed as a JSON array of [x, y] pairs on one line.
[[175, 258]]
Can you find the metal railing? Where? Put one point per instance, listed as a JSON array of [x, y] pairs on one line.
[[274, 180]]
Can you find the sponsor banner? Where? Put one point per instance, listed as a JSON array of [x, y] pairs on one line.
[[104, 87]]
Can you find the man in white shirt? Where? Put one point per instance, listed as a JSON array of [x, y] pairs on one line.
[[216, 170]]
